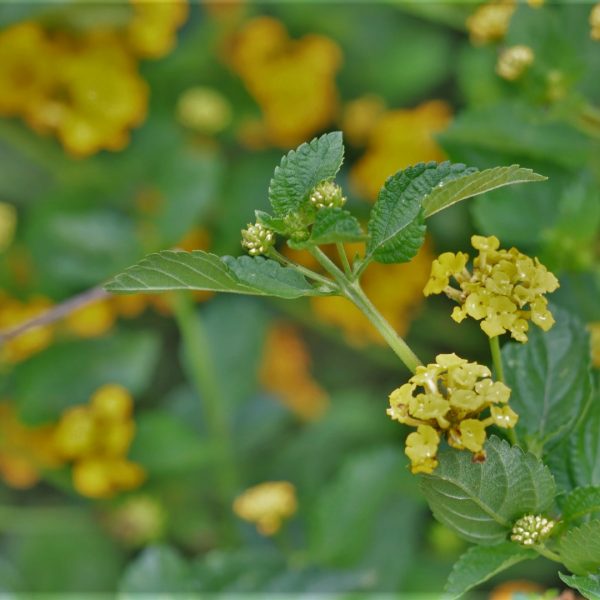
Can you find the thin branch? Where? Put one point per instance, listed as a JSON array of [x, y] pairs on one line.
[[56, 313]]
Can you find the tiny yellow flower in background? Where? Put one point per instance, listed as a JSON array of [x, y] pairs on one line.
[[505, 290], [514, 61], [8, 224], [92, 320], [594, 329], [359, 117], [595, 22], [204, 110], [97, 438], [285, 371], [447, 399], [267, 505], [489, 22], [138, 520]]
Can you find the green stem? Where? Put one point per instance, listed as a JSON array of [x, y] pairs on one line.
[[306, 272], [547, 553], [497, 358], [354, 293], [344, 258], [201, 372]]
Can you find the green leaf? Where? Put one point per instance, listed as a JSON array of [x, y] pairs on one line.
[[268, 278], [302, 169], [157, 570], [473, 184], [68, 373], [581, 502], [480, 563], [481, 501], [273, 223], [587, 585], [580, 548], [396, 226], [550, 380], [334, 225], [176, 270], [584, 447]]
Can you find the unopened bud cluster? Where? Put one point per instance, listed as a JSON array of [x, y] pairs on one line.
[[531, 529], [327, 194], [505, 290], [514, 61], [447, 398], [257, 239], [489, 23]]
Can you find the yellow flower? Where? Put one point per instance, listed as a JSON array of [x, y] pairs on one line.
[[505, 290], [138, 520], [97, 438], [8, 224], [595, 22], [92, 320], [24, 450], [514, 61], [267, 504], [204, 110], [421, 448], [400, 138], [152, 30], [359, 117], [594, 329], [489, 23], [293, 81], [285, 371], [448, 398], [14, 313]]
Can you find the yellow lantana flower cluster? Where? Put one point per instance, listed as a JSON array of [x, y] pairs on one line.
[[505, 290], [293, 81], [489, 23], [85, 89], [268, 505], [447, 398], [96, 438]]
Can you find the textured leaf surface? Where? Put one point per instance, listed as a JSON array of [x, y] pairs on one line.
[[274, 223], [584, 446], [473, 184], [302, 169], [480, 563], [335, 225], [580, 502], [175, 270], [481, 501], [587, 585], [580, 548], [396, 227], [550, 380]]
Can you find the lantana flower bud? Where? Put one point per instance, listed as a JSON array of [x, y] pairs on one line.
[[514, 61], [531, 529], [327, 194], [257, 239]]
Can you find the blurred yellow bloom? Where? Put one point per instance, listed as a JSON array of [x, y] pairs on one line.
[[92, 320], [138, 520], [514, 61], [8, 224], [24, 450], [446, 398], [595, 22], [360, 116], [204, 110], [285, 371], [594, 329], [14, 313], [489, 22], [394, 289], [96, 438], [267, 504], [505, 290], [152, 32], [400, 138], [293, 81]]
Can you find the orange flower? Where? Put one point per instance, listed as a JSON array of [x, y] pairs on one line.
[[400, 138], [285, 371]]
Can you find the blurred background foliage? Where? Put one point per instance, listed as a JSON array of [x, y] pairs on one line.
[[135, 126]]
